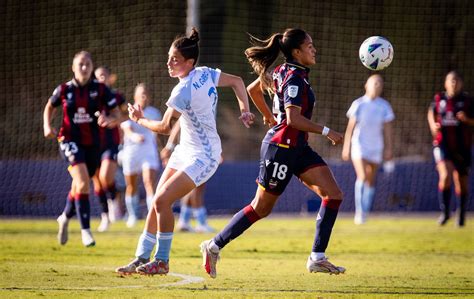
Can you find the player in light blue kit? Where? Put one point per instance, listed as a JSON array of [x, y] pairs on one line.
[[193, 101], [368, 142]]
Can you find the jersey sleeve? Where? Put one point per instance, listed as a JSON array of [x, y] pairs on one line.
[[389, 115], [55, 98], [352, 112], [180, 98], [215, 75], [126, 124], [293, 91], [109, 98]]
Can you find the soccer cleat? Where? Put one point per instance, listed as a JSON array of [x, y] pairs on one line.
[[209, 259], [323, 266], [154, 267], [104, 223], [63, 222], [87, 238], [184, 227], [131, 268], [203, 229], [360, 218], [443, 219], [131, 221]]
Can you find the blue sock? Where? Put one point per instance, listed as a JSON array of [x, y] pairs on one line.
[[145, 245], [83, 210], [185, 214], [131, 203], [111, 191], [444, 198], [358, 191], [324, 223], [237, 225], [201, 215], [164, 246], [103, 200], [367, 198]]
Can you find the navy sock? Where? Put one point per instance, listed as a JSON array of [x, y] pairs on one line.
[[324, 223], [462, 209], [444, 198], [103, 200], [83, 210], [111, 191], [70, 208], [237, 225]]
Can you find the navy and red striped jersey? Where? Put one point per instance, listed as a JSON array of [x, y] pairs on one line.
[[111, 137], [454, 135], [80, 104], [292, 88]]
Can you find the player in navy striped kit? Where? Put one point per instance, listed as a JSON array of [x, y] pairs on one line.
[[81, 100], [451, 118], [285, 151], [104, 179]]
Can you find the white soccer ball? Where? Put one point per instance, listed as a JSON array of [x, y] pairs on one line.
[[376, 53]]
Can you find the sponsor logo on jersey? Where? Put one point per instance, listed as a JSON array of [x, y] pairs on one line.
[[81, 116], [93, 94], [292, 91]]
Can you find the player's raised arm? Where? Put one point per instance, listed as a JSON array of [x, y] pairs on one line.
[[163, 126]]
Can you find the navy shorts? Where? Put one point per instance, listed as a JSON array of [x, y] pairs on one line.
[[461, 161], [278, 164], [75, 154], [109, 153]]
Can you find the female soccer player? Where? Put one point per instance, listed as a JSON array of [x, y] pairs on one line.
[[140, 155], [368, 141], [451, 117], [104, 178], [285, 150], [193, 101], [81, 99]]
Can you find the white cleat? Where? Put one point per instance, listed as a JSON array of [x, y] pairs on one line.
[[184, 227], [87, 238], [63, 222], [104, 223], [323, 266], [131, 221], [209, 259]]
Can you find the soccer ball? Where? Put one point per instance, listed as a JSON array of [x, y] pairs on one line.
[[376, 53]]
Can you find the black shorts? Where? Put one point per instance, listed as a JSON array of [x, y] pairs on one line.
[[75, 154], [461, 161], [109, 153], [278, 164]]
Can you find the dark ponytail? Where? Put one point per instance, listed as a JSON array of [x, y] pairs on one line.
[[188, 46], [263, 53]]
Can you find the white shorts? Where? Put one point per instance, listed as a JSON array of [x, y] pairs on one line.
[[198, 167], [374, 156], [136, 163]]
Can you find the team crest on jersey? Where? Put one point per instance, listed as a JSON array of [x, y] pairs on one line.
[[292, 91], [69, 95]]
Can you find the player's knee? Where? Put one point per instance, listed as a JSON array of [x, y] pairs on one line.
[[82, 186], [336, 194]]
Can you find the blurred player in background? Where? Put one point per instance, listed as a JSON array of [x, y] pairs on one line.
[[81, 100], [192, 204], [368, 142], [285, 151], [193, 102], [451, 118], [104, 178], [140, 155]]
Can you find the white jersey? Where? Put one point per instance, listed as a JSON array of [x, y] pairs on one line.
[[371, 115], [149, 143], [195, 97]]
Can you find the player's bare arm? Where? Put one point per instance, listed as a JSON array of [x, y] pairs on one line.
[[163, 126], [256, 94]]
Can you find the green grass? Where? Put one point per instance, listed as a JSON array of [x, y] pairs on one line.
[[406, 256]]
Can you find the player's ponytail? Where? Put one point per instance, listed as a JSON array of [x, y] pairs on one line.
[[263, 54], [188, 46]]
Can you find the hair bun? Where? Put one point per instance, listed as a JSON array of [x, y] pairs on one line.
[[194, 36]]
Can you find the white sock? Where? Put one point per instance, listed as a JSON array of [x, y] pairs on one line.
[[316, 256]]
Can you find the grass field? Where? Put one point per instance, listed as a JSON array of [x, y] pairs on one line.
[[391, 256]]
